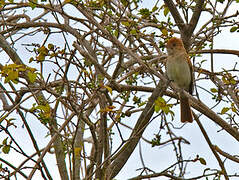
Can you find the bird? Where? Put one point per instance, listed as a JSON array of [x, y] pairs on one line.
[[179, 71]]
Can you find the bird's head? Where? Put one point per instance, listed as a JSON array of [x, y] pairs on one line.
[[174, 45]]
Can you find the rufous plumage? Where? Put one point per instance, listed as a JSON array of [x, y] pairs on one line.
[[179, 71]]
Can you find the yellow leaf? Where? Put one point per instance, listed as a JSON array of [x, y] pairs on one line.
[[224, 110], [164, 31], [125, 23], [43, 50], [40, 57], [165, 11], [33, 3], [133, 31], [108, 109], [234, 109], [156, 108], [32, 76], [77, 151], [13, 75], [109, 89], [213, 90]]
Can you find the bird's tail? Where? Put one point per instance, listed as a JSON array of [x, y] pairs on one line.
[[186, 113]]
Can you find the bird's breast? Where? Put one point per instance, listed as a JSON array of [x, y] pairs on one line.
[[178, 70]]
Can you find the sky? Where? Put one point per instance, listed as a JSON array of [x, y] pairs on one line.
[[159, 158]]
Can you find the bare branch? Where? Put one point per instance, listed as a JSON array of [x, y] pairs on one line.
[[176, 15], [218, 51], [121, 157], [195, 17], [211, 147], [225, 154]]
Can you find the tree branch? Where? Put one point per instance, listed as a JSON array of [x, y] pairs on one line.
[[57, 143], [224, 172], [195, 17], [226, 154], [201, 107], [10, 52], [176, 16], [123, 155], [218, 51]]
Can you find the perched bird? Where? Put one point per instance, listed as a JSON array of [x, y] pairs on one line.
[[179, 70]]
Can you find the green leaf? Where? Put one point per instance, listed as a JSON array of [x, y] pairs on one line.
[[164, 31], [133, 31], [5, 141], [46, 108], [233, 29], [156, 141], [33, 4], [213, 90], [202, 161], [77, 151], [233, 81], [144, 12], [13, 75], [155, 8], [2, 3], [109, 28], [156, 108], [32, 76], [166, 11], [125, 2], [142, 103], [160, 104], [6, 149], [33, 108], [224, 110], [116, 33], [59, 89], [234, 109], [125, 23]]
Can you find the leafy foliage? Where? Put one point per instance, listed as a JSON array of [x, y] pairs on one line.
[[11, 72], [88, 79]]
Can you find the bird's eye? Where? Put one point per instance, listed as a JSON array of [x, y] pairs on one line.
[[174, 44]]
